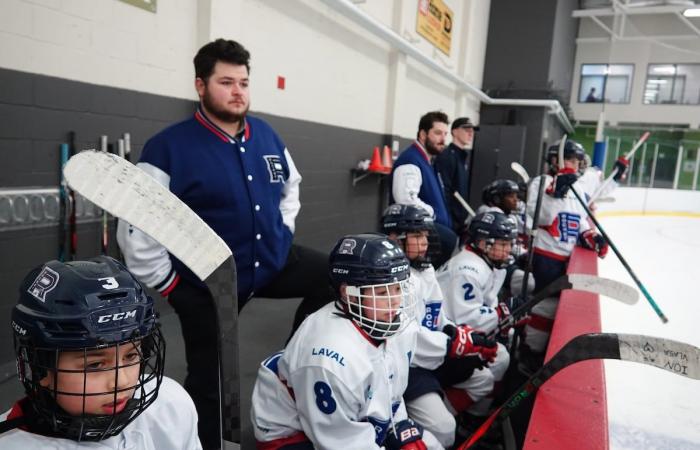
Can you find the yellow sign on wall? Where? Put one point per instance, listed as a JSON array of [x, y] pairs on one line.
[[435, 23]]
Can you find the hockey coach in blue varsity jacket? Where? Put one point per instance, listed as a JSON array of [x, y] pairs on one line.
[[235, 172]]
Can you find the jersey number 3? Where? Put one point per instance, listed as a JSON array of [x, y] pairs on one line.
[[324, 397]]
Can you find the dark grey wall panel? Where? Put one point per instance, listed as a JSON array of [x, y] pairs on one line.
[[37, 113]]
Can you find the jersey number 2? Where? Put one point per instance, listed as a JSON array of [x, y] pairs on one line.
[[324, 397], [468, 289]]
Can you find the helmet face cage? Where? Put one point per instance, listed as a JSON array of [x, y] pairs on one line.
[[49, 384], [382, 310]]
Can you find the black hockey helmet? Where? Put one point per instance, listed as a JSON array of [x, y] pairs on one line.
[[572, 149], [489, 227], [493, 193], [375, 273], [402, 219], [76, 308]]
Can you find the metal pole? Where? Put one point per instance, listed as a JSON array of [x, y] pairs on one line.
[[697, 166], [640, 172], [653, 165], [677, 174], [631, 169]]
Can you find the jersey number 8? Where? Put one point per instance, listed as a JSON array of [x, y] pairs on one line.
[[324, 397]]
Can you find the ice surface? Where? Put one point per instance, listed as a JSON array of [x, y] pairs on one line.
[[649, 408]]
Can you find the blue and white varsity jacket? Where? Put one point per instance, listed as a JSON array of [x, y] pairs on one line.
[[246, 188], [415, 182]]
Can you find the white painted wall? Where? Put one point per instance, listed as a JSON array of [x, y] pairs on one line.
[[636, 200], [336, 73], [639, 53]]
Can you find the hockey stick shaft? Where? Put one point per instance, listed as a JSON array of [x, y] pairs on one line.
[[598, 192], [127, 146], [612, 245], [562, 144], [675, 357], [464, 204], [63, 203], [104, 239], [72, 221]]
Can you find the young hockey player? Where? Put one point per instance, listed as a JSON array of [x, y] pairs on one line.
[[562, 224], [90, 356], [450, 351], [339, 382], [592, 178], [470, 282]]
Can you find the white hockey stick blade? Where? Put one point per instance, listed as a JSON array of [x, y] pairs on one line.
[[604, 286], [139, 199], [676, 357], [520, 170]]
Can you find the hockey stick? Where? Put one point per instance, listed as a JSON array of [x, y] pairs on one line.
[[604, 185], [676, 357], [63, 203], [72, 222], [127, 146], [104, 242], [576, 281], [560, 161], [464, 204], [130, 194], [646, 293], [520, 170]]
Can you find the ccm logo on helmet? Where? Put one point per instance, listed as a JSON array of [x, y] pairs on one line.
[[117, 316], [18, 329], [341, 271], [399, 268]]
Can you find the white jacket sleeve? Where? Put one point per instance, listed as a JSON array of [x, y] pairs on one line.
[[144, 256], [290, 204], [406, 186]]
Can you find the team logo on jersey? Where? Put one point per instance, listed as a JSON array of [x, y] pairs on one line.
[[347, 247], [569, 226], [432, 313], [275, 168], [43, 284]]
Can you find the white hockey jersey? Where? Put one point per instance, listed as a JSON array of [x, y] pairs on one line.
[[561, 220], [334, 384], [471, 290], [431, 342], [169, 423]]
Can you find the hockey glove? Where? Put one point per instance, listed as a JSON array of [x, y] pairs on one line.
[[622, 164], [562, 182], [464, 341], [594, 241], [407, 435]]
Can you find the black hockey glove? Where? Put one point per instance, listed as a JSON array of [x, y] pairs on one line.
[[563, 181], [622, 164], [406, 436]]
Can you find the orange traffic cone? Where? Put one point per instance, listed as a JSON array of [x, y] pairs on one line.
[[376, 164], [387, 162]]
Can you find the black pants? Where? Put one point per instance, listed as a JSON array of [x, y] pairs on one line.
[[305, 274]]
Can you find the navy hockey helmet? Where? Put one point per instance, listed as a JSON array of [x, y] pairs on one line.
[[77, 310], [494, 192], [403, 219], [371, 274], [572, 150], [492, 227]]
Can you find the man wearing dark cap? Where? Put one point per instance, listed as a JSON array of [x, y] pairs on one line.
[[453, 165]]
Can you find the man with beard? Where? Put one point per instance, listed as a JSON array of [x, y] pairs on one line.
[[415, 181], [235, 172]]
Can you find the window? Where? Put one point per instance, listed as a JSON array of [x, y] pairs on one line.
[[609, 82], [675, 84]]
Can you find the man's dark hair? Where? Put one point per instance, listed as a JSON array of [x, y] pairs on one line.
[[427, 121], [220, 50]]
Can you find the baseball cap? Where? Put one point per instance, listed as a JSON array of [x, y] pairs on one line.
[[463, 122]]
